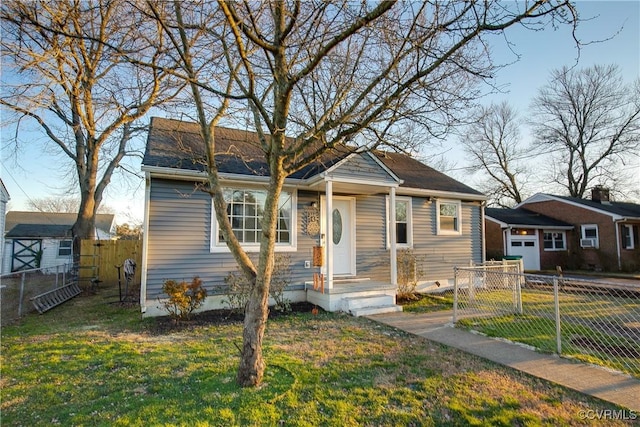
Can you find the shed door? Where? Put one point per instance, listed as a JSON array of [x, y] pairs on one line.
[[26, 254], [528, 249]]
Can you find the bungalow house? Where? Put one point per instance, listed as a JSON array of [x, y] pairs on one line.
[[336, 209], [606, 232], [541, 241], [43, 239]]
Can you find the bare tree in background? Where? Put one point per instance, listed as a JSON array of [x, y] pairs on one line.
[[62, 204], [590, 119], [317, 75], [494, 144], [64, 69]]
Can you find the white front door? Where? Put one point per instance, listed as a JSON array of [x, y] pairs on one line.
[[343, 236]]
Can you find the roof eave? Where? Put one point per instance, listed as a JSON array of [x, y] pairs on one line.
[[425, 192], [542, 197], [188, 175]]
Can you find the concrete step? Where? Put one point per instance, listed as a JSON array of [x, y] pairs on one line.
[[369, 311], [377, 300]]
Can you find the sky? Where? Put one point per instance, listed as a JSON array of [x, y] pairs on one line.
[[611, 34], [31, 173]]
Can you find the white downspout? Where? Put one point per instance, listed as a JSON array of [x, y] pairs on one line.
[[505, 244], [616, 224], [392, 237], [145, 243]]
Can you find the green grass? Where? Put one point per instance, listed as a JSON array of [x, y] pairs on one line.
[[89, 362], [427, 303], [536, 326]]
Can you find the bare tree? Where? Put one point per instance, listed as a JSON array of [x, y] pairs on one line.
[[315, 76], [591, 119], [62, 204], [493, 142], [62, 73]]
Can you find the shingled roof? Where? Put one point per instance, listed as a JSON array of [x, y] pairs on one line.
[[177, 144], [623, 209], [20, 224], [416, 174], [522, 217]]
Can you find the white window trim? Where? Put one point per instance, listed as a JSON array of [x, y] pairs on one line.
[[221, 247], [440, 232], [70, 248], [554, 249], [629, 228], [584, 227], [409, 243]]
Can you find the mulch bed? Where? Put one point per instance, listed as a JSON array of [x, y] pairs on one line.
[[219, 317]]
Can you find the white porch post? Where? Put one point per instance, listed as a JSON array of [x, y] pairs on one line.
[[328, 238], [392, 236]]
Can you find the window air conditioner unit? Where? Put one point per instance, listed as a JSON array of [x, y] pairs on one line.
[[588, 243]]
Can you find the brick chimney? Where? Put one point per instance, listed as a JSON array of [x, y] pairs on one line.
[[600, 194]]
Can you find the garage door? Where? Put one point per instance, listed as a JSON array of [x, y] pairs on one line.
[[528, 250]]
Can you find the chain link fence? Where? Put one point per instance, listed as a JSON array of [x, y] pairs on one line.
[[593, 321], [19, 288]]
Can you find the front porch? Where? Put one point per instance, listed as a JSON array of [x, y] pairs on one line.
[[359, 297]]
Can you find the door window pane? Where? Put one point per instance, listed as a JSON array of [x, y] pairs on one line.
[[337, 226]]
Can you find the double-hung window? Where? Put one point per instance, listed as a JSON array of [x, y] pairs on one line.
[[628, 241], [245, 209], [448, 217], [64, 248], [589, 236], [554, 241], [404, 232]]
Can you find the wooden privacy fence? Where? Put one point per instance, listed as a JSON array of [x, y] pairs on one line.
[[99, 258]]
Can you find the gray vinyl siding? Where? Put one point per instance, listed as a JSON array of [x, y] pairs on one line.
[[179, 236], [180, 233], [441, 253], [372, 256], [362, 167]]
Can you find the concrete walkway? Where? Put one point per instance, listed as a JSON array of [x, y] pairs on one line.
[[610, 386]]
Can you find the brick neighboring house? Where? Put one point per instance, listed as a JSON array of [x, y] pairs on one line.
[[606, 232], [541, 241]]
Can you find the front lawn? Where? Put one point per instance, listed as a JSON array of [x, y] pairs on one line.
[[427, 303], [91, 362]]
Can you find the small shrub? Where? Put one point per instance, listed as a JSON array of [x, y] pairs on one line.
[[279, 282], [238, 291], [409, 273], [239, 288], [184, 297]]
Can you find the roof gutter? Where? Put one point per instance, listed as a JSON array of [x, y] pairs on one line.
[[173, 173], [187, 175], [408, 191]]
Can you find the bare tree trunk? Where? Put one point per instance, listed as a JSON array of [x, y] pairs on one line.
[[252, 366]]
